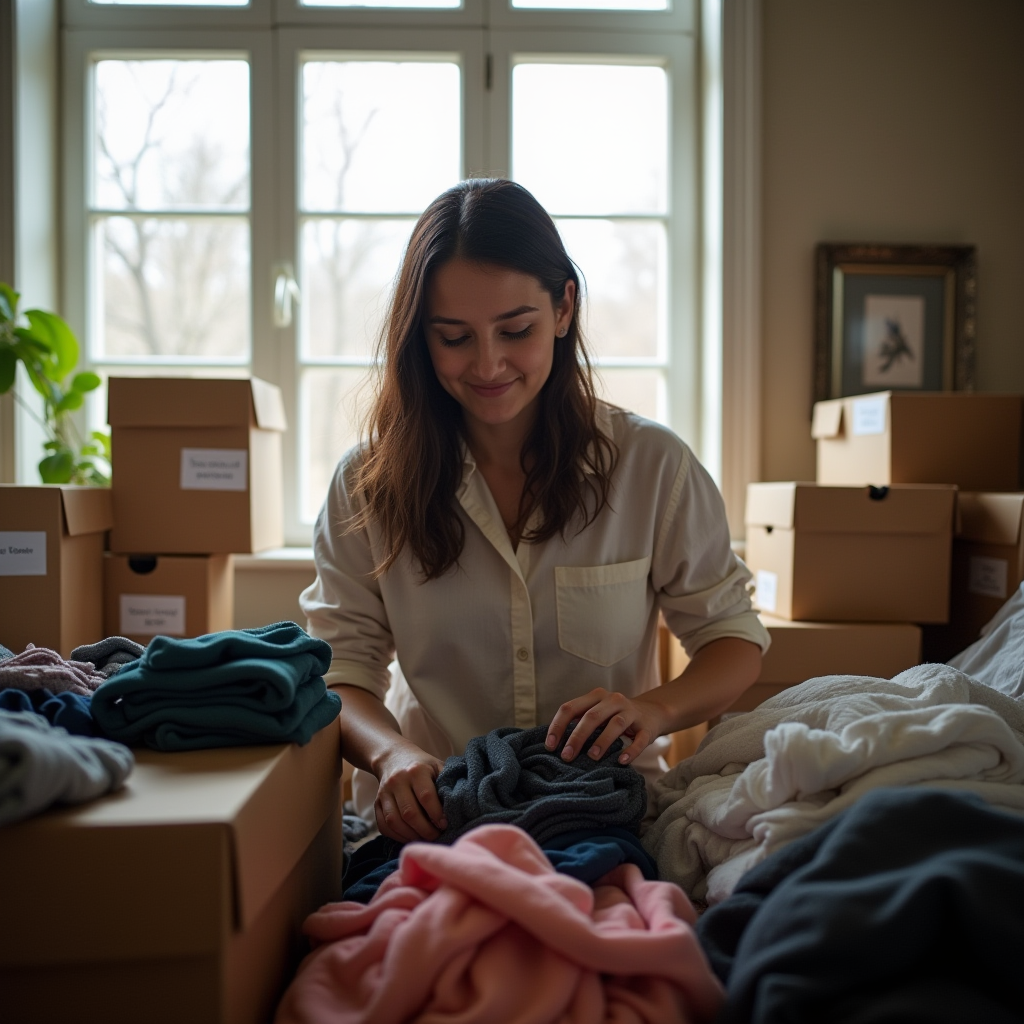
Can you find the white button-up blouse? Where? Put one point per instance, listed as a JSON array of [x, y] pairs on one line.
[[508, 636]]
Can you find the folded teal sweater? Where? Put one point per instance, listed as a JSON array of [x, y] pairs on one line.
[[228, 689]]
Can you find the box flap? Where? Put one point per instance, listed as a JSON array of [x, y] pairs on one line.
[[990, 518], [87, 509], [192, 402], [268, 403], [771, 504], [900, 509], [828, 419]]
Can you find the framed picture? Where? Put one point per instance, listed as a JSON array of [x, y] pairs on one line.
[[893, 317]]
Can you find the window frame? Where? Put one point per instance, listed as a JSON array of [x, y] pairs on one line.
[[275, 33]]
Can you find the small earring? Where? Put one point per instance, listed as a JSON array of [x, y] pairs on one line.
[[562, 332]]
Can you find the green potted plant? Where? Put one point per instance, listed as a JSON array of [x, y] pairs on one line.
[[44, 344]]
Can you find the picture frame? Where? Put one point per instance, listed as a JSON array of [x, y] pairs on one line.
[[893, 317]]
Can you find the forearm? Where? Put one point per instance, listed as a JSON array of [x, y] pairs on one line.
[[715, 677], [369, 732]]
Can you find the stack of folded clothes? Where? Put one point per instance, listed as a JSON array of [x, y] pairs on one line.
[[234, 688]]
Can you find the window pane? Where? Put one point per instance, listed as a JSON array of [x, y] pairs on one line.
[[379, 136], [172, 287], [610, 156], [171, 134], [382, 3], [593, 5], [348, 267], [639, 391], [624, 264], [176, 3], [332, 405]]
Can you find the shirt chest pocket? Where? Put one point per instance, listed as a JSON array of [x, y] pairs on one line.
[[602, 609]]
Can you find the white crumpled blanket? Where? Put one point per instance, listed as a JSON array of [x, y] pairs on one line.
[[761, 779]]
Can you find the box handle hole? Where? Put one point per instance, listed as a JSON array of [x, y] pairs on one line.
[[142, 564], [877, 493]]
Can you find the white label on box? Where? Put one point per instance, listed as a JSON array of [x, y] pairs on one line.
[[869, 416], [987, 576], [214, 469], [766, 595], [22, 552], [149, 614]]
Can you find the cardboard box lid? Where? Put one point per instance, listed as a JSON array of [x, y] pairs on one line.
[[196, 844], [194, 402], [990, 518], [83, 509], [824, 508], [827, 420]]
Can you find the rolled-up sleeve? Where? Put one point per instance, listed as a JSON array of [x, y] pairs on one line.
[[344, 606], [701, 584]]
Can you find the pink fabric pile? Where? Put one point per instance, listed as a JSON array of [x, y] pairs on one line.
[[486, 931], [39, 668]]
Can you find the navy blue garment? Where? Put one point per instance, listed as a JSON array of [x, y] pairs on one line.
[[69, 711], [368, 866], [589, 853], [906, 909]]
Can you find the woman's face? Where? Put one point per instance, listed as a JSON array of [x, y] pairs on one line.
[[491, 333]]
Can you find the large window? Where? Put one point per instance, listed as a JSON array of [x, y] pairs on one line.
[[242, 180]]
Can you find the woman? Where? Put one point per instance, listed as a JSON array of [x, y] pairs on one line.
[[507, 536]]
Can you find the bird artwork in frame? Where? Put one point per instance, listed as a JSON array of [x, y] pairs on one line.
[[893, 317]]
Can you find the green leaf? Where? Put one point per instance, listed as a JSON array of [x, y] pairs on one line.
[[71, 401], [8, 302], [54, 446], [86, 381], [50, 328], [91, 449], [57, 469], [104, 441], [8, 368]]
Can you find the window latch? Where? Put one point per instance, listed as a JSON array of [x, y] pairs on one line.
[[286, 291]]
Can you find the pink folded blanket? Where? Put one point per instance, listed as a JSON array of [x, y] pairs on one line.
[[39, 668], [486, 931]]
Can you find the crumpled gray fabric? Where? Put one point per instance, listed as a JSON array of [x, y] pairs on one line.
[[39, 668], [42, 765], [5, 654], [997, 658], [508, 776], [109, 655]]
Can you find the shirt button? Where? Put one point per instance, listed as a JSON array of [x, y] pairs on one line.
[[523, 654]]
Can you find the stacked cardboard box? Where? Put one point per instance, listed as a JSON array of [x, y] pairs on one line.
[[872, 540], [197, 476]]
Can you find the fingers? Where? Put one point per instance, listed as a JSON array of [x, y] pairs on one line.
[[408, 807], [570, 710], [620, 717]]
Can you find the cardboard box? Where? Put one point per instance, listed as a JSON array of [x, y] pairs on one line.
[[988, 566], [851, 554], [179, 898], [906, 437], [197, 465], [805, 650], [51, 565], [173, 595]]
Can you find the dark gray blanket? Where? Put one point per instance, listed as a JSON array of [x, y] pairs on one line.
[[509, 777]]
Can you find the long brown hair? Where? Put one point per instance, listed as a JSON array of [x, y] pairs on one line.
[[412, 459]]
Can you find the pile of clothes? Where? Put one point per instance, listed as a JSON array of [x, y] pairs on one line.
[[66, 725]]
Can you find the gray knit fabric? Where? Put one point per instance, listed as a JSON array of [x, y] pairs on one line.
[[108, 656], [5, 654], [41, 765], [510, 777]]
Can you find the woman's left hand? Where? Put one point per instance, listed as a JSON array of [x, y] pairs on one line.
[[630, 717]]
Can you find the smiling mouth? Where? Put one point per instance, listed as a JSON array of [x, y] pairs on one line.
[[491, 390]]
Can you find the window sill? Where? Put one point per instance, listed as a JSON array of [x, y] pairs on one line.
[[276, 559]]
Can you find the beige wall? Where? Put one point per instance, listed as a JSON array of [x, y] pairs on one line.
[[887, 121]]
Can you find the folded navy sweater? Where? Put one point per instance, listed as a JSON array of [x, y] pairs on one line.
[[233, 688]]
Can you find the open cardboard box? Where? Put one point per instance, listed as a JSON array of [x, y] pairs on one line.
[[51, 565], [851, 554], [907, 437], [179, 898], [197, 465]]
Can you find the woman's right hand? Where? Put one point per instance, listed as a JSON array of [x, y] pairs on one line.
[[407, 807]]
